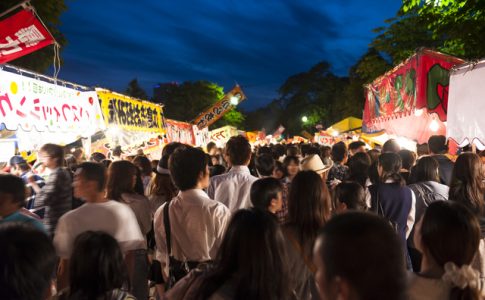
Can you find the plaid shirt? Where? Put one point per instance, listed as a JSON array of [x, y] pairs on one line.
[[338, 171], [30, 201], [56, 196]]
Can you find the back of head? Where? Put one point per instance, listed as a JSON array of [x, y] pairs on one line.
[[363, 250], [96, 266], [238, 150], [265, 164], [97, 157], [293, 151], [278, 151], [359, 165], [55, 152], [391, 145], [427, 169], [408, 158], [27, 261], [437, 144], [467, 182], [120, 179], [352, 194], [263, 191], [422, 149], [339, 152], [309, 204], [373, 155], [450, 233], [252, 249], [185, 165], [13, 187], [144, 164], [391, 165], [93, 172], [354, 146], [167, 151]]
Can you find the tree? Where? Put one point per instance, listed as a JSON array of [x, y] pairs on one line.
[[135, 90], [49, 11], [232, 118]]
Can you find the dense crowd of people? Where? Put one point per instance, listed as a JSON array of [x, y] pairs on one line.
[[271, 222]]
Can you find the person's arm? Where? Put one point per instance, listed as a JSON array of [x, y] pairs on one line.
[[63, 274], [44, 195], [412, 215]]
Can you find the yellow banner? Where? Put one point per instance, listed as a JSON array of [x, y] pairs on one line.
[[129, 113]]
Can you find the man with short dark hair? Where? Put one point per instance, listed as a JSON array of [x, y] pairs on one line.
[[97, 214], [12, 199], [339, 170], [265, 164], [196, 223], [267, 194], [56, 194], [232, 189], [438, 148], [356, 147], [27, 262], [19, 167], [358, 256]]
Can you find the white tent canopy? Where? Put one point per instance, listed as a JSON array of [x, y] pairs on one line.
[[466, 104]]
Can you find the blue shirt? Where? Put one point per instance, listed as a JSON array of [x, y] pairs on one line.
[[18, 217]]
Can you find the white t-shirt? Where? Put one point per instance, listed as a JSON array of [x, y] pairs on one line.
[[114, 218]]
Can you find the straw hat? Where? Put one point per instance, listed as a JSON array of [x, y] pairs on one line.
[[314, 163]]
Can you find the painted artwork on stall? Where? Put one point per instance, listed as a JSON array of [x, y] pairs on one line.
[[420, 82], [178, 131]]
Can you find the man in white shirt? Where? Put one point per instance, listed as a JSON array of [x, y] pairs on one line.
[[233, 188], [197, 223], [97, 214]]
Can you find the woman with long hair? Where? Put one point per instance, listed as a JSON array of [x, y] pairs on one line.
[[145, 166], [292, 166], [448, 237], [122, 180], [97, 269], [309, 207], [250, 263], [468, 188], [392, 200]]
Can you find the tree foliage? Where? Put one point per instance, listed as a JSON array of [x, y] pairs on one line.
[[135, 90], [49, 11]]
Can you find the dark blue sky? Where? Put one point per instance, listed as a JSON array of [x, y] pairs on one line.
[[258, 44]]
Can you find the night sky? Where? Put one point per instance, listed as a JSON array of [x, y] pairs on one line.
[[257, 44]]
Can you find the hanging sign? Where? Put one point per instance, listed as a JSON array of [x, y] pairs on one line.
[[181, 132], [21, 34], [234, 97], [128, 113]]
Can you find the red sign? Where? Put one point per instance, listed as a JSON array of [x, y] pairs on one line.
[[22, 34]]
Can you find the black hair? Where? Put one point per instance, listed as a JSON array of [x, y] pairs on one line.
[[97, 157], [451, 233], [264, 150], [265, 164], [120, 179], [408, 158], [293, 150], [13, 186], [117, 151], [391, 167], [339, 152], [356, 145], [290, 159], [55, 152], [253, 255], [391, 146], [437, 144], [263, 191], [278, 151], [309, 205], [217, 170], [92, 171], [144, 164], [280, 167], [352, 194], [426, 169], [210, 145], [185, 165], [239, 150], [362, 249], [167, 151], [96, 266], [359, 165], [422, 149], [27, 262]]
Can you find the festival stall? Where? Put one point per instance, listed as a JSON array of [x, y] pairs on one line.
[[466, 122], [411, 100], [220, 136], [178, 131], [131, 123], [36, 109]]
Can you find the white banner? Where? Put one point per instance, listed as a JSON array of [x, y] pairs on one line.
[[30, 104], [466, 104]]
